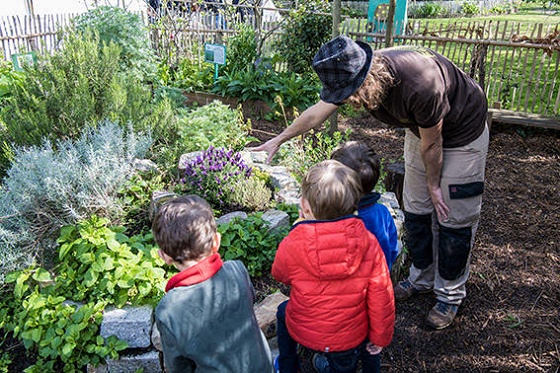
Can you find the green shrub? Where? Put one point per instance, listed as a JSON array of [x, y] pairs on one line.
[[306, 30], [252, 194], [428, 10], [189, 75], [277, 89], [72, 90], [251, 241], [301, 153], [47, 188], [215, 124], [101, 262], [469, 8], [241, 49], [136, 195], [98, 266], [128, 31]]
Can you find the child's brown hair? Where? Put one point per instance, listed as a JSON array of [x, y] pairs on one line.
[[184, 228], [362, 159], [332, 190]]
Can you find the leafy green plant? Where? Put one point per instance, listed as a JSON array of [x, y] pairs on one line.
[[58, 317], [126, 30], [279, 90], [189, 75], [253, 194], [301, 153], [469, 8], [47, 188], [59, 332], [215, 124], [428, 10], [251, 241], [101, 262], [241, 49], [308, 27], [136, 195]]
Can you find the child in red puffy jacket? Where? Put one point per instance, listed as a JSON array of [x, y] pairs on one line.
[[341, 299]]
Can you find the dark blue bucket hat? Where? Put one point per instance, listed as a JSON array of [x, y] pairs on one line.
[[342, 64]]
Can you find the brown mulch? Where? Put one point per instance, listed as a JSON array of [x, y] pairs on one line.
[[510, 320]]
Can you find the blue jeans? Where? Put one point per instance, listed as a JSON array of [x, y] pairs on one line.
[[288, 360], [338, 362]]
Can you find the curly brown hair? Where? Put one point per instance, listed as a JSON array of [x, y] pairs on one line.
[[374, 89]]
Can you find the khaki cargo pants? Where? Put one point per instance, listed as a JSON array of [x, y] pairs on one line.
[[441, 250]]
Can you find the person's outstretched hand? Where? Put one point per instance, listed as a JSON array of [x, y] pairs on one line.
[[271, 147]]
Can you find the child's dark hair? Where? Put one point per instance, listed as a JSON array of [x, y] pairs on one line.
[[362, 159], [184, 228]]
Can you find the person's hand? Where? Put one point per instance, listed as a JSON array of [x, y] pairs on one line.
[[271, 147], [441, 207], [373, 349]]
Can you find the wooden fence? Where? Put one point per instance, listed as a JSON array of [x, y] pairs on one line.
[[517, 64], [40, 33]]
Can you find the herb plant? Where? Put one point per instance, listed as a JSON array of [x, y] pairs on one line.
[[215, 124], [58, 317], [47, 188], [251, 241], [212, 175]]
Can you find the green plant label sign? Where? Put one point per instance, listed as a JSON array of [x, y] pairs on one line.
[[215, 53], [22, 59]]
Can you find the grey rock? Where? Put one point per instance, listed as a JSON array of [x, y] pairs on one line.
[[185, 158], [130, 324], [229, 217], [277, 219], [144, 165], [148, 362], [156, 338]]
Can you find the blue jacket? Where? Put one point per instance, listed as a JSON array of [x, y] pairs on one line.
[[378, 220]]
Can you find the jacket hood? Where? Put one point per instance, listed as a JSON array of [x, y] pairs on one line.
[[332, 249]]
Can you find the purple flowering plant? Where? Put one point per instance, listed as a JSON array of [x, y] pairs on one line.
[[213, 174]]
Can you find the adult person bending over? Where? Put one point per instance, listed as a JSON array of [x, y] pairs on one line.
[[446, 142]]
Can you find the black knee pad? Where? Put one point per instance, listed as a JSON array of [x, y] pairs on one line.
[[454, 250], [418, 238]]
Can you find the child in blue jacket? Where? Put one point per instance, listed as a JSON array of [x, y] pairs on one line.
[[377, 218]]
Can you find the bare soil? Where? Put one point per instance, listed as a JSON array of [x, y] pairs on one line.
[[510, 320]]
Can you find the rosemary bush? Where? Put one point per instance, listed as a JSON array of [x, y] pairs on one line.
[[46, 188]]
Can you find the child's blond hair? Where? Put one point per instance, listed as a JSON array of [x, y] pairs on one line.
[[331, 189]]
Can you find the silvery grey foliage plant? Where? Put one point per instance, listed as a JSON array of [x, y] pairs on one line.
[[50, 186]]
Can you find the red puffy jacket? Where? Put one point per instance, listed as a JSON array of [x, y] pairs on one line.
[[341, 290]]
